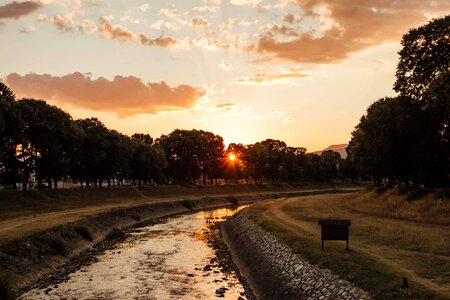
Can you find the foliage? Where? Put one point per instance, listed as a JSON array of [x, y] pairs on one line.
[[406, 138], [84, 233], [424, 56]]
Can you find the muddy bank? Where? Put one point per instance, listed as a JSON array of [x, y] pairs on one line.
[[274, 272], [26, 261]]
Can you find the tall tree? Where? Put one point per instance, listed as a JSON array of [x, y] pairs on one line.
[[276, 150], [10, 135], [256, 157], [94, 145], [46, 144], [424, 56]]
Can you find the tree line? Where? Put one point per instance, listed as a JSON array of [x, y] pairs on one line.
[[405, 139], [42, 142]]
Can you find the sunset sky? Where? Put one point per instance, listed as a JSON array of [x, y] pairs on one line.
[[297, 70]]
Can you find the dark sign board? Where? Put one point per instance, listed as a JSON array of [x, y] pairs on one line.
[[336, 230]]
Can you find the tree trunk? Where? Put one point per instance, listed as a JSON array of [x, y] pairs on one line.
[[56, 184], [25, 179], [49, 182]]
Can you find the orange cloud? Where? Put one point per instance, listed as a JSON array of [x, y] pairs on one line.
[[269, 77], [15, 10], [199, 22], [63, 23], [348, 27], [116, 32], [125, 95]]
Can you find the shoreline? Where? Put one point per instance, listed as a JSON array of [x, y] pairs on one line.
[[27, 261], [274, 272]]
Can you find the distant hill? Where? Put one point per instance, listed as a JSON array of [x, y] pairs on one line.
[[336, 148]]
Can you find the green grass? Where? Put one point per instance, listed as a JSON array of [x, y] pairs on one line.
[[382, 248]]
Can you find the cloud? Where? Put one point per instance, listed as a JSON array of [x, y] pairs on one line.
[[171, 13], [245, 2], [273, 29], [287, 76], [205, 9], [29, 29], [225, 65], [199, 22], [144, 7], [125, 95], [115, 32], [346, 27], [42, 18], [289, 18], [63, 23], [15, 10]]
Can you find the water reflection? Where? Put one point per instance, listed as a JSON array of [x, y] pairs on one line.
[[170, 260]]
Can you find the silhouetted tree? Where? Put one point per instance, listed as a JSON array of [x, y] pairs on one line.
[[10, 135], [93, 148], [274, 167], [256, 157], [46, 143], [147, 162], [424, 56]]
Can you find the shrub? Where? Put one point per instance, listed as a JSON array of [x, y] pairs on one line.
[[84, 233], [57, 246], [6, 292], [135, 217], [233, 200], [188, 204], [115, 234]]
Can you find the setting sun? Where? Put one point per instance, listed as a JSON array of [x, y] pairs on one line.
[[231, 157]]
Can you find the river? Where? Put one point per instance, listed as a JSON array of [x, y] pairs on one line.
[[169, 260]]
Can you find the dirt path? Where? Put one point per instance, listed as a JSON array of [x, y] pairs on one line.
[[300, 227]]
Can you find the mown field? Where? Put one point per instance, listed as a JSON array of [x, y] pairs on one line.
[[390, 237]]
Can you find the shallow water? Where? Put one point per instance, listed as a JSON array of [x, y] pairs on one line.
[[162, 261]]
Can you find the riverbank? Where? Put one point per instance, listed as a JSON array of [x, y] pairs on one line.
[[24, 213], [391, 237], [274, 272], [24, 262]]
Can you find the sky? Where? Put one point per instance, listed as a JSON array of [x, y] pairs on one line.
[[300, 71]]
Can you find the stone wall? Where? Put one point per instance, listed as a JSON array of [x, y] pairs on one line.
[[274, 272]]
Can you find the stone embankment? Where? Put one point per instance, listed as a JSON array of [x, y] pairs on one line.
[[274, 272], [27, 261]]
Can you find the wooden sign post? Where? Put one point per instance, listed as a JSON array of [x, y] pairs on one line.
[[336, 230]]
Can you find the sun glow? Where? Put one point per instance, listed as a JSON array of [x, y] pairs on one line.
[[231, 157]]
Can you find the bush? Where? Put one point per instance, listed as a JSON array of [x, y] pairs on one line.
[[135, 217], [57, 246], [443, 193], [233, 200], [115, 234], [417, 194], [188, 204], [6, 292], [84, 233]]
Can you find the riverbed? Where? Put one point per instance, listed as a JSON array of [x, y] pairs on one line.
[[173, 259]]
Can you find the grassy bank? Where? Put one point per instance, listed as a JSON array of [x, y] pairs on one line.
[[390, 237], [23, 213]]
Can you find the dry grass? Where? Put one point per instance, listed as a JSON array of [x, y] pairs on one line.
[[389, 237], [24, 213], [429, 209]]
